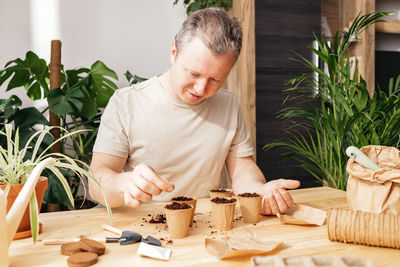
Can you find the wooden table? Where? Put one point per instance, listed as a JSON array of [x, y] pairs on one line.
[[190, 251]]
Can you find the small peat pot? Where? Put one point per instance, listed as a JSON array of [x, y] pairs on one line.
[[178, 219], [250, 206], [223, 212], [187, 200]]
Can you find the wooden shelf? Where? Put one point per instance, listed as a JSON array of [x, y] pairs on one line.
[[390, 26]]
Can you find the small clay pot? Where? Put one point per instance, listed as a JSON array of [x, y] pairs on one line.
[[250, 206], [220, 192], [178, 219], [223, 212], [187, 200], [24, 228]]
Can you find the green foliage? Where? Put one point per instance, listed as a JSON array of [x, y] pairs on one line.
[[24, 119], [194, 5], [84, 92], [133, 78], [335, 110], [17, 164], [32, 73], [78, 102]]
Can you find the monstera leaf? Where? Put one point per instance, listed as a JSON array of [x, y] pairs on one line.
[[103, 87], [65, 102], [32, 73]]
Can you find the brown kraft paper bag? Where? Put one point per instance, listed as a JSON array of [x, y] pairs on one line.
[[375, 191]]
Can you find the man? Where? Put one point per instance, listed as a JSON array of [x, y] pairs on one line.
[[172, 134]]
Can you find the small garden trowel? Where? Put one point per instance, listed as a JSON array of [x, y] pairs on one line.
[[129, 237]]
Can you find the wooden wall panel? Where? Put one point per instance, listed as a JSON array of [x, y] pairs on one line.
[[281, 28], [241, 80], [364, 48]]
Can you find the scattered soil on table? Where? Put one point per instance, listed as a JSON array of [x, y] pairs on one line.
[[159, 218], [219, 190], [166, 241], [237, 219], [182, 198], [249, 195], [223, 200], [177, 206]]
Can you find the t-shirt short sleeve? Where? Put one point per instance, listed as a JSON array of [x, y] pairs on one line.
[[112, 137], [241, 143]]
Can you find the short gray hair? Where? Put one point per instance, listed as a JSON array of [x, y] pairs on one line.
[[219, 31]]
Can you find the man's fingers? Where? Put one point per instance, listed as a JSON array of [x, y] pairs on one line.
[[130, 201], [272, 204], [280, 201], [135, 192], [286, 197], [146, 186], [149, 174], [265, 209], [138, 194], [288, 184]]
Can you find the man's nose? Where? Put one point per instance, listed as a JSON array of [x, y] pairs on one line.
[[200, 86]]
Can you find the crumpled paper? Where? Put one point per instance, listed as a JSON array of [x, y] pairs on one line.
[[303, 215], [375, 191], [239, 244]]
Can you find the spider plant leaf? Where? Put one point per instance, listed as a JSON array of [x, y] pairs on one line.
[[53, 168], [33, 213]]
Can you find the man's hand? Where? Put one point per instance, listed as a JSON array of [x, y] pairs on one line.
[[276, 198], [142, 184]]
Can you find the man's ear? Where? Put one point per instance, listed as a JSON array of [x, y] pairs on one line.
[[172, 56]]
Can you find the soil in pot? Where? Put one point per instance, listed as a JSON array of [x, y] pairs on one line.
[[220, 192]]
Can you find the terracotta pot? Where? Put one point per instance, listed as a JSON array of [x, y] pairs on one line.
[[25, 224]]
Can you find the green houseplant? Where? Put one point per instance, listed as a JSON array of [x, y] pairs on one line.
[[329, 113], [16, 165], [84, 92], [193, 5], [22, 118]]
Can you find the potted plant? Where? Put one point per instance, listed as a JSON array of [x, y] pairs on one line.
[[16, 165], [333, 111], [79, 101]]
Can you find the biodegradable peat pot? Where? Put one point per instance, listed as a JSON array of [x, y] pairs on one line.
[[178, 219], [24, 228], [188, 200], [221, 193], [223, 212], [250, 206]]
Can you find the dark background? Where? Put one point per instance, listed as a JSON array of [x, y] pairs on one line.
[[387, 65], [281, 26]]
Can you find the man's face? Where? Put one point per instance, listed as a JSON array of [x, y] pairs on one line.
[[196, 73]]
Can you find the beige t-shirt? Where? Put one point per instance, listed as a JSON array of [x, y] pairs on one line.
[[186, 144]]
